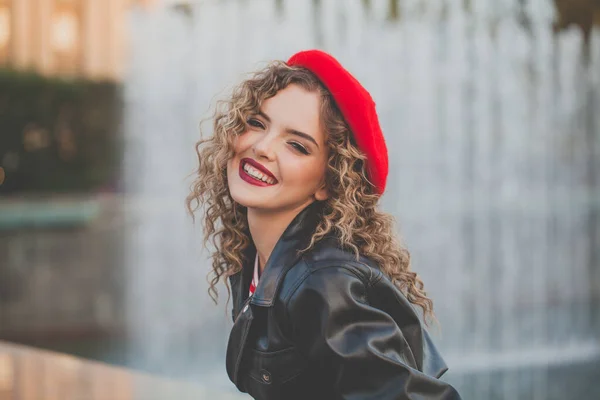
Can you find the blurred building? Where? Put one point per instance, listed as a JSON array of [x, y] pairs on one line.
[[65, 37]]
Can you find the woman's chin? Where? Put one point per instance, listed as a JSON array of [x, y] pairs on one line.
[[251, 199]]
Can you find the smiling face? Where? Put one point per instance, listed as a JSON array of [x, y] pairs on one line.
[[280, 160]]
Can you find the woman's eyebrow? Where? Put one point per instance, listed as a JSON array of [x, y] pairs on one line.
[[292, 131]]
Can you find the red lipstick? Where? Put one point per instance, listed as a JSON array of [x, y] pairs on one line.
[[252, 180]]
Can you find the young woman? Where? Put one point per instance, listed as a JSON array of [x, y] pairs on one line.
[[323, 295]]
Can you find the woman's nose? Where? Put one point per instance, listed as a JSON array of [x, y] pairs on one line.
[[265, 147]]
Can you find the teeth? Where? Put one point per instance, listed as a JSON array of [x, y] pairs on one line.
[[257, 174]]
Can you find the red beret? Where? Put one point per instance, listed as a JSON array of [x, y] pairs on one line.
[[357, 107]]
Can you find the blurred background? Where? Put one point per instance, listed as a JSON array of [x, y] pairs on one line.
[[491, 111]]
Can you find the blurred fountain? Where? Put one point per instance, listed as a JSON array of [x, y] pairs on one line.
[[492, 119]]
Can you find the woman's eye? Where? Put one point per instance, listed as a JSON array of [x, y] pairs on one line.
[[255, 123], [299, 147]]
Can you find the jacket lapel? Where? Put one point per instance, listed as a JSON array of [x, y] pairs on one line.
[[236, 344], [240, 282], [285, 254]]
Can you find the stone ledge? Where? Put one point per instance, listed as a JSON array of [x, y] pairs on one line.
[[51, 212], [49, 375]]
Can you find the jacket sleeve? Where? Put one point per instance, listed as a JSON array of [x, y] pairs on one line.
[[361, 349]]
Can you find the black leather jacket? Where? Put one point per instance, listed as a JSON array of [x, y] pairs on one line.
[[325, 326]]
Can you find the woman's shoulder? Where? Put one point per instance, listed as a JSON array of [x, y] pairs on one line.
[[333, 271], [329, 267], [329, 255]]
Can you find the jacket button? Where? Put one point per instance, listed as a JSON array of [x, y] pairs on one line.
[[266, 376]]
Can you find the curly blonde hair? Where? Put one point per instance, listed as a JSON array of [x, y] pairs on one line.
[[350, 211]]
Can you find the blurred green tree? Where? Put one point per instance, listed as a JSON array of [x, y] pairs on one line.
[[58, 135]]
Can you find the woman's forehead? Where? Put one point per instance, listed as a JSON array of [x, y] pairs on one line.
[[295, 108]]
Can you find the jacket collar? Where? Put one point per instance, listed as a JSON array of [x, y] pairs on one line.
[[296, 237]]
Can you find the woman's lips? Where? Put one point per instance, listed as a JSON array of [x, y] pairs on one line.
[[258, 166], [250, 179]]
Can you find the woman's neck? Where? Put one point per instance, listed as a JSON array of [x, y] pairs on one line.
[[266, 228]]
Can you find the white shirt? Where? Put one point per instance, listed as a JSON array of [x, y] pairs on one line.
[[254, 282]]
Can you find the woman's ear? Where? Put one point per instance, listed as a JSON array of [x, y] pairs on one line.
[[322, 193]]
